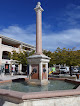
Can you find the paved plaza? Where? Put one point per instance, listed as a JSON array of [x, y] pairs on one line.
[[9, 77]]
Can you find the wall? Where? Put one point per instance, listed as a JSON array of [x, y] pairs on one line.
[[56, 101], [9, 48], [8, 101]]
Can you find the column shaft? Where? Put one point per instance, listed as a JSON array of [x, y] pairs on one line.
[[38, 32]]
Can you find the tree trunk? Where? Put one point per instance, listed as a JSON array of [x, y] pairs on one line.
[[70, 71]]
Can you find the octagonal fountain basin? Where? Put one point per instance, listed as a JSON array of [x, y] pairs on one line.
[[59, 92], [22, 86]]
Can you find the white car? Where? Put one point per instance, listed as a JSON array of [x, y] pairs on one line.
[[64, 70], [75, 70]]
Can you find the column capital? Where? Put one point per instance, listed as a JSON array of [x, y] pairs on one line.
[[38, 7]]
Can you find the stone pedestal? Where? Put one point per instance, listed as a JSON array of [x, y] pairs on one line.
[[38, 69]]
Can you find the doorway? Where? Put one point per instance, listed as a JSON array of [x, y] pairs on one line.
[[6, 68]]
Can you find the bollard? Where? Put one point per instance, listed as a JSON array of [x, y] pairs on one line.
[[77, 75]]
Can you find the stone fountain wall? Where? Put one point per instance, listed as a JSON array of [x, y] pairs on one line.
[[56, 101]]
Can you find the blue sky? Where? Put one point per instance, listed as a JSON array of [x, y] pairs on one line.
[[61, 22]]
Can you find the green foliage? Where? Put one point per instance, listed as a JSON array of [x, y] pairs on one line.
[[21, 57], [31, 53], [69, 57], [49, 54], [64, 56]]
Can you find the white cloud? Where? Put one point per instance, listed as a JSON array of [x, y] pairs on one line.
[[67, 38], [25, 35]]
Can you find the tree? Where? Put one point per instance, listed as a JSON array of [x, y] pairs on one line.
[[21, 56], [69, 57], [49, 54]]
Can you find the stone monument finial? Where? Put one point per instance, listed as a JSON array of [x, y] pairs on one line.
[[38, 4], [38, 7]]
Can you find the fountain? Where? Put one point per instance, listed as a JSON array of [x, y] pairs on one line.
[[21, 93], [38, 63]]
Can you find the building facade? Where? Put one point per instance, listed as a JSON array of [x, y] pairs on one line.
[[7, 45]]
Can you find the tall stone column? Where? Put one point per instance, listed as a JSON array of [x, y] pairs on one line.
[[38, 10], [38, 63], [0, 51]]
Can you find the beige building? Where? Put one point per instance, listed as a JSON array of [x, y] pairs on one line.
[[8, 45]]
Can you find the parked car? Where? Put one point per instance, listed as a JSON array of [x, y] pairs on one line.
[[64, 70], [75, 70]]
